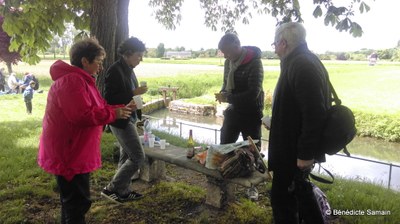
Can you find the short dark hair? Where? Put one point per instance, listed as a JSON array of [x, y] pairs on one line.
[[130, 46], [229, 38], [88, 48]]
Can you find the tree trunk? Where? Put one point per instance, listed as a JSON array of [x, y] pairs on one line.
[[122, 32], [9, 67], [103, 26]]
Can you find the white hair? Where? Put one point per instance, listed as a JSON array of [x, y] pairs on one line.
[[293, 33]]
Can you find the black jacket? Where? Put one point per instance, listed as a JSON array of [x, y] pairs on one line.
[[118, 87], [301, 100], [247, 98]]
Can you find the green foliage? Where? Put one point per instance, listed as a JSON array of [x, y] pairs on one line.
[[248, 212], [12, 211], [189, 86], [32, 26], [160, 50], [385, 126], [173, 140], [33, 23]]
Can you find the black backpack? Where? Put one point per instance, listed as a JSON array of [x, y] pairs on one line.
[[340, 127]]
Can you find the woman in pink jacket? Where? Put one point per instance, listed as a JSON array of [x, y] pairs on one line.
[[72, 127]]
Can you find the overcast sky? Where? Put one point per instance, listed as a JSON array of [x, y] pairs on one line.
[[379, 24]]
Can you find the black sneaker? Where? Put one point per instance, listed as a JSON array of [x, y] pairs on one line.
[[131, 197], [113, 196]]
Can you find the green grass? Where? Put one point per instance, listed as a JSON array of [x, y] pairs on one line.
[[354, 195], [26, 190]]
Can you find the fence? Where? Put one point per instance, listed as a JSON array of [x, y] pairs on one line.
[[181, 128]]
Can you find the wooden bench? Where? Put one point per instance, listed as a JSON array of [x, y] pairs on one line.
[[220, 191]]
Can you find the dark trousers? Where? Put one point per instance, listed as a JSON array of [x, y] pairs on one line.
[[234, 124], [283, 202], [75, 198], [292, 199], [28, 105]]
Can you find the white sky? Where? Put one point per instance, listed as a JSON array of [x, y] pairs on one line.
[[379, 24]]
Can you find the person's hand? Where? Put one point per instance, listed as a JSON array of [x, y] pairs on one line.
[[132, 105], [305, 164], [220, 97], [123, 112], [140, 90]]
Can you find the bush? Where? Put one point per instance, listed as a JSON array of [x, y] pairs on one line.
[[386, 126]]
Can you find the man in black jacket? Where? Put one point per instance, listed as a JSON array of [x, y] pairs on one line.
[[242, 89], [300, 103], [120, 85]]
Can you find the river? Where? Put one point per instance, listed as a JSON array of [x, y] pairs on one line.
[[206, 130]]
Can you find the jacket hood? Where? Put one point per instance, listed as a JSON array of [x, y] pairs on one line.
[[252, 53], [60, 69]]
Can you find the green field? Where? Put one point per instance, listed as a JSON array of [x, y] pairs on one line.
[[372, 89]]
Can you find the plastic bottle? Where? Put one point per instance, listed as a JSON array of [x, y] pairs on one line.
[[147, 132], [190, 145]]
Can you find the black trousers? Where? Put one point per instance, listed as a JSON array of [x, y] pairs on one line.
[[292, 198], [234, 124], [284, 203], [75, 198]]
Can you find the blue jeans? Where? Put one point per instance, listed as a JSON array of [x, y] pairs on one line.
[[131, 158]]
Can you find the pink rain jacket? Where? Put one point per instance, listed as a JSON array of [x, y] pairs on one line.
[[72, 124]]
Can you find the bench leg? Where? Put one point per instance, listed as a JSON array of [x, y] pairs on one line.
[[219, 193], [152, 170]]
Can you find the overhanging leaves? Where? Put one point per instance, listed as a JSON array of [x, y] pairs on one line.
[[31, 24]]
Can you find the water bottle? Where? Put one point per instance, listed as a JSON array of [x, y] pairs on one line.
[[147, 131]]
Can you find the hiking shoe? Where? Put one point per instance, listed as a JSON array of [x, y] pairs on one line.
[[112, 196], [252, 193]]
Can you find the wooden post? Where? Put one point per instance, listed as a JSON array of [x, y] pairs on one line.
[[165, 89]]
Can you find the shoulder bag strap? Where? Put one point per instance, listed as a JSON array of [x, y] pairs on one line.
[[323, 180], [335, 96]]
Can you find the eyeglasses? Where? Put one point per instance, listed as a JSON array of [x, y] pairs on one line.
[[276, 43]]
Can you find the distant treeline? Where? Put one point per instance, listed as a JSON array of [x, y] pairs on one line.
[[392, 54]]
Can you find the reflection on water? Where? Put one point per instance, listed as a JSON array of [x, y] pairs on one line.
[[206, 130], [364, 170]]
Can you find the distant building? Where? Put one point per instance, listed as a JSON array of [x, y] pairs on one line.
[[178, 54]]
